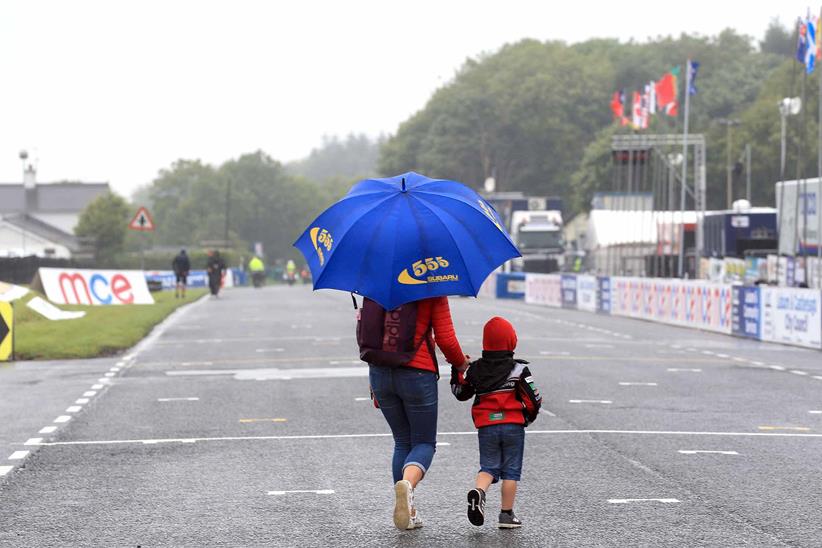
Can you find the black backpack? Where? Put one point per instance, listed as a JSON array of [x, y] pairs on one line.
[[386, 338]]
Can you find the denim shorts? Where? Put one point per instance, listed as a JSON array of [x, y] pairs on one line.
[[501, 447]]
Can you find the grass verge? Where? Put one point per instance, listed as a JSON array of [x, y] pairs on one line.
[[103, 331]]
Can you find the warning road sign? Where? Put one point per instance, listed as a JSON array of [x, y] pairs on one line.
[[6, 331], [142, 221]]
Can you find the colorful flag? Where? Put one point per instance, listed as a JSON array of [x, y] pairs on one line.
[[636, 111], [801, 41], [810, 47], [651, 87], [693, 67], [618, 104]]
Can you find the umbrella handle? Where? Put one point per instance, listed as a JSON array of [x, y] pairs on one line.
[[354, 300]]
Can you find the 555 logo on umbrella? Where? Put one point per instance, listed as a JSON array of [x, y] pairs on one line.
[[424, 266], [321, 238]]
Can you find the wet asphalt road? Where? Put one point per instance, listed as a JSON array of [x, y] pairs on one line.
[[208, 434]]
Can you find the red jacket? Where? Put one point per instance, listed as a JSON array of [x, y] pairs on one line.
[[435, 313], [515, 400]]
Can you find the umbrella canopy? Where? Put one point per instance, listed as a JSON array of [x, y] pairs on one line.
[[405, 238]]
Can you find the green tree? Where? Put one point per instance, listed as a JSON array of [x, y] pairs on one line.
[[104, 222], [354, 157], [778, 40]]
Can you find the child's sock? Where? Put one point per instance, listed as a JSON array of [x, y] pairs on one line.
[[509, 512]]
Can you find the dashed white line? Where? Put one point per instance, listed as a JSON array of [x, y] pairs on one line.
[[626, 501], [707, 352], [718, 355], [314, 491], [362, 399], [62, 418], [738, 359], [757, 363], [815, 412], [89, 393], [777, 367], [590, 401], [96, 386], [5, 470], [178, 399], [82, 400], [696, 452], [683, 370], [47, 430], [33, 441], [345, 362], [546, 412], [18, 455], [797, 372], [442, 443], [637, 384], [73, 408], [197, 363], [553, 353], [109, 374], [817, 377], [104, 380]]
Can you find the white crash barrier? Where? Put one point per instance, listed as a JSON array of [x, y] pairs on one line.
[[544, 289]]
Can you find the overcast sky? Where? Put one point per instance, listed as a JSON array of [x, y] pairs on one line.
[[115, 90]]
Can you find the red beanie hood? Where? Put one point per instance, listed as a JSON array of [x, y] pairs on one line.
[[499, 335]]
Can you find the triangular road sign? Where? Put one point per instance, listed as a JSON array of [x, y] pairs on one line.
[[142, 221]]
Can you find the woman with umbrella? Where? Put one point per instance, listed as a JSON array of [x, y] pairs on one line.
[[404, 243]]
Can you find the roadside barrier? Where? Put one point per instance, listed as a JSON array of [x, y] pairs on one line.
[[774, 314]]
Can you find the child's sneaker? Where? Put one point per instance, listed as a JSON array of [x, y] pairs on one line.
[[415, 522], [403, 504], [476, 507], [509, 520]]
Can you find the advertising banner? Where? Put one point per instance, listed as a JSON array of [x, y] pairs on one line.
[[604, 295], [569, 290], [587, 293], [746, 312], [792, 316], [543, 289], [196, 278], [511, 285], [94, 287]]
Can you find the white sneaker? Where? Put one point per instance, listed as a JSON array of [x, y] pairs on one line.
[[416, 521], [404, 506]]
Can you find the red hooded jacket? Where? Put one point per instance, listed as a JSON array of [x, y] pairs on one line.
[[436, 313]]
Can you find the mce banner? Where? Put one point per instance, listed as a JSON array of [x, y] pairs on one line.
[[95, 287]]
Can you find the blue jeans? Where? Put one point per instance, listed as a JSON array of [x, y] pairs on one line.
[[500, 448], [408, 400]]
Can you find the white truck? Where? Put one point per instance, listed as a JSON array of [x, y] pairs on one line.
[[538, 235]]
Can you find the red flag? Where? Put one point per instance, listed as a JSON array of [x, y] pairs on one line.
[[616, 105], [666, 90]]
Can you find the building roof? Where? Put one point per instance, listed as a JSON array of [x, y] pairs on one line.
[[51, 197], [44, 230]]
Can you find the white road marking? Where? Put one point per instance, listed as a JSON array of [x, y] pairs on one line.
[[62, 418], [707, 352], [178, 399], [316, 492], [817, 377], [719, 355], [119, 364], [599, 346], [797, 372], [777, 367], [695, 452], [344, 362], [439, 443], [96, 386], [89, 393], [757, 363], [73, 408], [109, 374], [197, 363], [683, 370], [815, 412], [47, 430], [103, 380], [39, 441], [626, 501], [82, 400], [362, 399], [637, 384], [5, 470], [738, 359], [590, 401], [546, 412], [552, 353], [261, 350], [18, 455]]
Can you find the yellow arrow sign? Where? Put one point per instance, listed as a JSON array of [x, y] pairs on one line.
[[6, 331]]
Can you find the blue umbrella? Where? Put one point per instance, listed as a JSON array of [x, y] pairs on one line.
[[405, 238]]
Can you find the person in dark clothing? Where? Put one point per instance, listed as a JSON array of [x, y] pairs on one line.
[[181, 266], [215, 266], [506, 400]]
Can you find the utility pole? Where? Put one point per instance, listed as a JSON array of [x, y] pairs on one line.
[[684, 185], [748, 173], [227, 210]]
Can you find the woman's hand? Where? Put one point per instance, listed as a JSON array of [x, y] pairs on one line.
[[464, 364]]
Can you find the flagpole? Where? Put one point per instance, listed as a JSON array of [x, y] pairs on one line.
[[682, 195]]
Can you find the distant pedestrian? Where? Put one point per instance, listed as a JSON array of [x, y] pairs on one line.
[[181, 266], [215, 268], [506, 400], [403, 372], [257, 269]]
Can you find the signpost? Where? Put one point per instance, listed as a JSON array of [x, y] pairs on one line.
[[6, 332], [142, 222]]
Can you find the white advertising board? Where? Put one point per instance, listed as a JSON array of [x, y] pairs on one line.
[[792, 316], [95, 287], [544, 289], [587, 293]]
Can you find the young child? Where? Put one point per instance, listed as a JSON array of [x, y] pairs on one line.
[[505, 402]]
